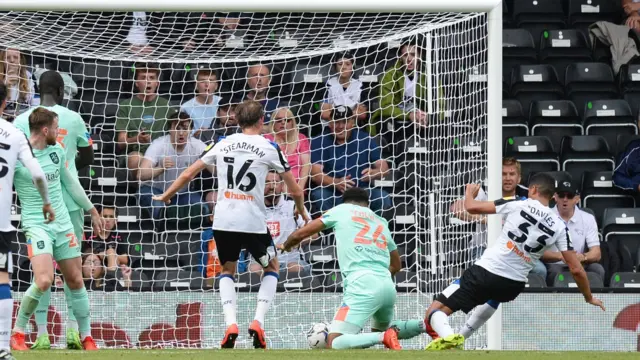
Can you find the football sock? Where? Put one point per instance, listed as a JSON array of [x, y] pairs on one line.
[[80, 303], [71, 317], [6, 312], [265, 295], [409, 328], [439, 321], [480, 316], [28, 305], [42, 311], [228, 299], [357, 341]]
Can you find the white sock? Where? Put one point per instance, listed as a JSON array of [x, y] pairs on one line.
[[265, 295], [480, 316], [440, 323], [42, 330], [72, 324], [6, 310], [228, 299]]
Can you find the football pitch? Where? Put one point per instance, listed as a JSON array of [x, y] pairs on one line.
[[314, 355]]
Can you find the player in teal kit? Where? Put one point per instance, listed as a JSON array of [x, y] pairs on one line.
[[76, 141], [368, 258], [55, 240]]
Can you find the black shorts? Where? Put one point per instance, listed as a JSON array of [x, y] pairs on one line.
[[6, 261], [230, 243], [476, 287]]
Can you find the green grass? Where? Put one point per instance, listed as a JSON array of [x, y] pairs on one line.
[[314, 355]]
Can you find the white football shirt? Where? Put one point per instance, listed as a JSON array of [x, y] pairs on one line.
[[281, 221], [14, 146], [242, 163], [337, 95], [530, 228]]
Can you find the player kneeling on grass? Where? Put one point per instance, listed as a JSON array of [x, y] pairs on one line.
[[47, 241], [500, 275], [368, 258]]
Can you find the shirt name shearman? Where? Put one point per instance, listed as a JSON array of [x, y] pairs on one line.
[[244, 146]]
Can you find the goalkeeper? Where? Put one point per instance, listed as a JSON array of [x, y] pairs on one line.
[[56, 240], [76, 141], [368, 258]]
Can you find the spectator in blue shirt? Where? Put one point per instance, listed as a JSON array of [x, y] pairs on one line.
[[345, 157]]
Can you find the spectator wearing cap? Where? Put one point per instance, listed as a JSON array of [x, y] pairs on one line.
[[258, 80], [165, 159], [204, 106], [142, 118], [343, 89], [343, 158], [583, 230]]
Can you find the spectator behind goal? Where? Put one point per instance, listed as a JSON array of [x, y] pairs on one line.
[[142, 118], [204, 106]]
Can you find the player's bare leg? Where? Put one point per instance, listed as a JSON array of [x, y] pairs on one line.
[[228, 298], [437, 319], [72, 272], [42, 266], [265, 297]]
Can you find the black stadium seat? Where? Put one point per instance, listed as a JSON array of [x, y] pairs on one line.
[[535, 153], [534, 83], [625, 280], [586, 82], [599, 193], [608, 118], [514, 122], [560, 48], [629, 83], [583, 13], [621, 231], [579, 154], [518, 48], [538, 16], [554, 119]]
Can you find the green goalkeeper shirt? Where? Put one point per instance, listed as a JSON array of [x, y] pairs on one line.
[[52, 160], [363, 240], [72, 134]]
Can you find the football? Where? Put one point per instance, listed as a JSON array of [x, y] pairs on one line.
[[317, 335]]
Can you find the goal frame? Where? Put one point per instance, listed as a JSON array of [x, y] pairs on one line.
[[493, 8]]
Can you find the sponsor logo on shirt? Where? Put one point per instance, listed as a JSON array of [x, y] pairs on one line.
[[274, 228], [511, 246], [148, 119], [235, 196], [54, 158]]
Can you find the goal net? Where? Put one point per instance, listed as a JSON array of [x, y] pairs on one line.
[[411, 86]]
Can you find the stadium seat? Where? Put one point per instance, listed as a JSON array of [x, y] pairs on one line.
[[139, 281], [559, 48], [245, 282], [309, 79], [536, 281], [535, 153], [323, 257], [579, 154], [608, 118], [538, 16], [514, 122], [534, 83], [599, 193], [518, 48], [625, 280], [586, 82], [159, 255], [406, 281], [554, 119], [565, 280], [584, 13], [621, 231], [297, 282], [176, 280], [629, 83], [333, 282]]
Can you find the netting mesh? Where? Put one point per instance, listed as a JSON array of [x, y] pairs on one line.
[[412, 85]]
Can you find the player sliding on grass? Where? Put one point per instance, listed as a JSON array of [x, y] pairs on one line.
[[531, 227], [55, 240], [368, 258], [76, 141]]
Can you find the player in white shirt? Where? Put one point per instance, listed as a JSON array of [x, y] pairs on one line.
[[242, 162], [530, 228], [14, 146]]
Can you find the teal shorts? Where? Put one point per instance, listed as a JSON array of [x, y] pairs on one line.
[[77, 220], [367, 297], [62, 245]]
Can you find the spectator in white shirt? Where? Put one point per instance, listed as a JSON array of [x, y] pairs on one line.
[[583, 230], [204, 106], [19, 82], [343, 89], [164, 160]]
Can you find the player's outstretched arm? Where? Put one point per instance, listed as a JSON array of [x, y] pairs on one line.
[[396, 264], [296, 193], [304, 232], [473, 206], [580, 276], [79, 196], [187, 175]]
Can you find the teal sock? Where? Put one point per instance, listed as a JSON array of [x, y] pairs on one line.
[[409, 328], [71, 322], [42, 310], [28, 306], [357, 341], [80, 304]]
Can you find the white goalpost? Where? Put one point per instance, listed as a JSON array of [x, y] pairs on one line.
[[457, 87]]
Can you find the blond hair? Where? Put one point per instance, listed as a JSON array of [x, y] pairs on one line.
[[291, 136], [23, 79], [509, 161]]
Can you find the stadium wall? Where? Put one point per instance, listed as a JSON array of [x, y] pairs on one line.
[[547, 321]]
